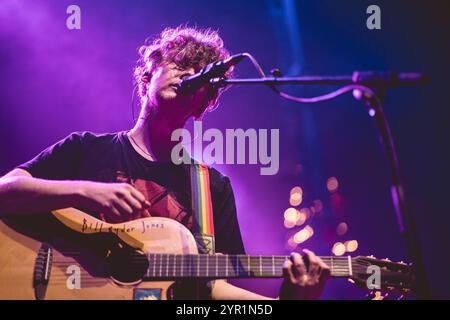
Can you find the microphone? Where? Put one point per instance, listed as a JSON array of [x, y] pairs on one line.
[[213, 70]]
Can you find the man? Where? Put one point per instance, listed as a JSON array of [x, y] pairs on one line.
[[128, 175]]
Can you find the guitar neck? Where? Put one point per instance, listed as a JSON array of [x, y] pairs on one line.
[[231, 266]]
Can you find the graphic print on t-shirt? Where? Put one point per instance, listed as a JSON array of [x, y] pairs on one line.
[[163, 202]]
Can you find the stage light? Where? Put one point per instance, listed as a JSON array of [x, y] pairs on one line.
[[351, 246], [290, 214], [290, 244], [332, 184], [341, 229], [310, 230], [296, 190], [306, 212], [290, 217], [318, 206], [296, 196], [338, 249], [301, 236], [295, 199], [301, 217], [289, 224]]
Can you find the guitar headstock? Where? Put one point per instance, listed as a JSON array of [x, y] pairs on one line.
[[382, 274]]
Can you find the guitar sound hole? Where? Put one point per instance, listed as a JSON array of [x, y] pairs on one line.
[[127, 266]]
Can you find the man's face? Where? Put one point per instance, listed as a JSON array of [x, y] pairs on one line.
[[164, 94]]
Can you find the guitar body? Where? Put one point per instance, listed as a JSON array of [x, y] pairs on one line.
[[78, 268], [16, 266]]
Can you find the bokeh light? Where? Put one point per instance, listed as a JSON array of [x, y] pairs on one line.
[[290, 214], [338, 249], [341, 229], [290, 244], [296, 196], [310, 230], [306, 212], [332, 184], [301, 217], [351, 245], [303, 235], [318, 206], [296, 189], [295, 199], [290, 217], [289, 223]]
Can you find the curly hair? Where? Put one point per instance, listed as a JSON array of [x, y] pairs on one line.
[[186, 47]]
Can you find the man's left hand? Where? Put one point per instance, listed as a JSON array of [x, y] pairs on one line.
[[304, 281]]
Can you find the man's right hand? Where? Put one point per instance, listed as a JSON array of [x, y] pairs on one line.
[[115, 202]]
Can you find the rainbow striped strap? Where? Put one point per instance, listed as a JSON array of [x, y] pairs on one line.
[[203, 222]]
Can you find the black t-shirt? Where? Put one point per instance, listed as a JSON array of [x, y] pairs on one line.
[[111, 158]]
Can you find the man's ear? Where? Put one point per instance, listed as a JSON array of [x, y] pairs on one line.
[[144, 83]]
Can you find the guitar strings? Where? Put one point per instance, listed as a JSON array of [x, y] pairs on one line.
[[190, 267]]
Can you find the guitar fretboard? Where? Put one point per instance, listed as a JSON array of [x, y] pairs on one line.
[[231, 266]]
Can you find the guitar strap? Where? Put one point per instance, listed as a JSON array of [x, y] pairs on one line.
[[203, 222]]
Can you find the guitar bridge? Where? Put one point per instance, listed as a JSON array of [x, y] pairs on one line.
[[42, 269]]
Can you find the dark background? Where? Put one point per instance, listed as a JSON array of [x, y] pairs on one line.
[[54, 81]]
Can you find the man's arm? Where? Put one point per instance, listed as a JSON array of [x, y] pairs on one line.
[[22, 193]]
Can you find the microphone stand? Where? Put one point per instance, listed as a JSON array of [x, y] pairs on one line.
[[378, 82]]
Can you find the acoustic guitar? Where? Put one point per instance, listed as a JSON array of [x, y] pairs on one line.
[[70, 254]]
